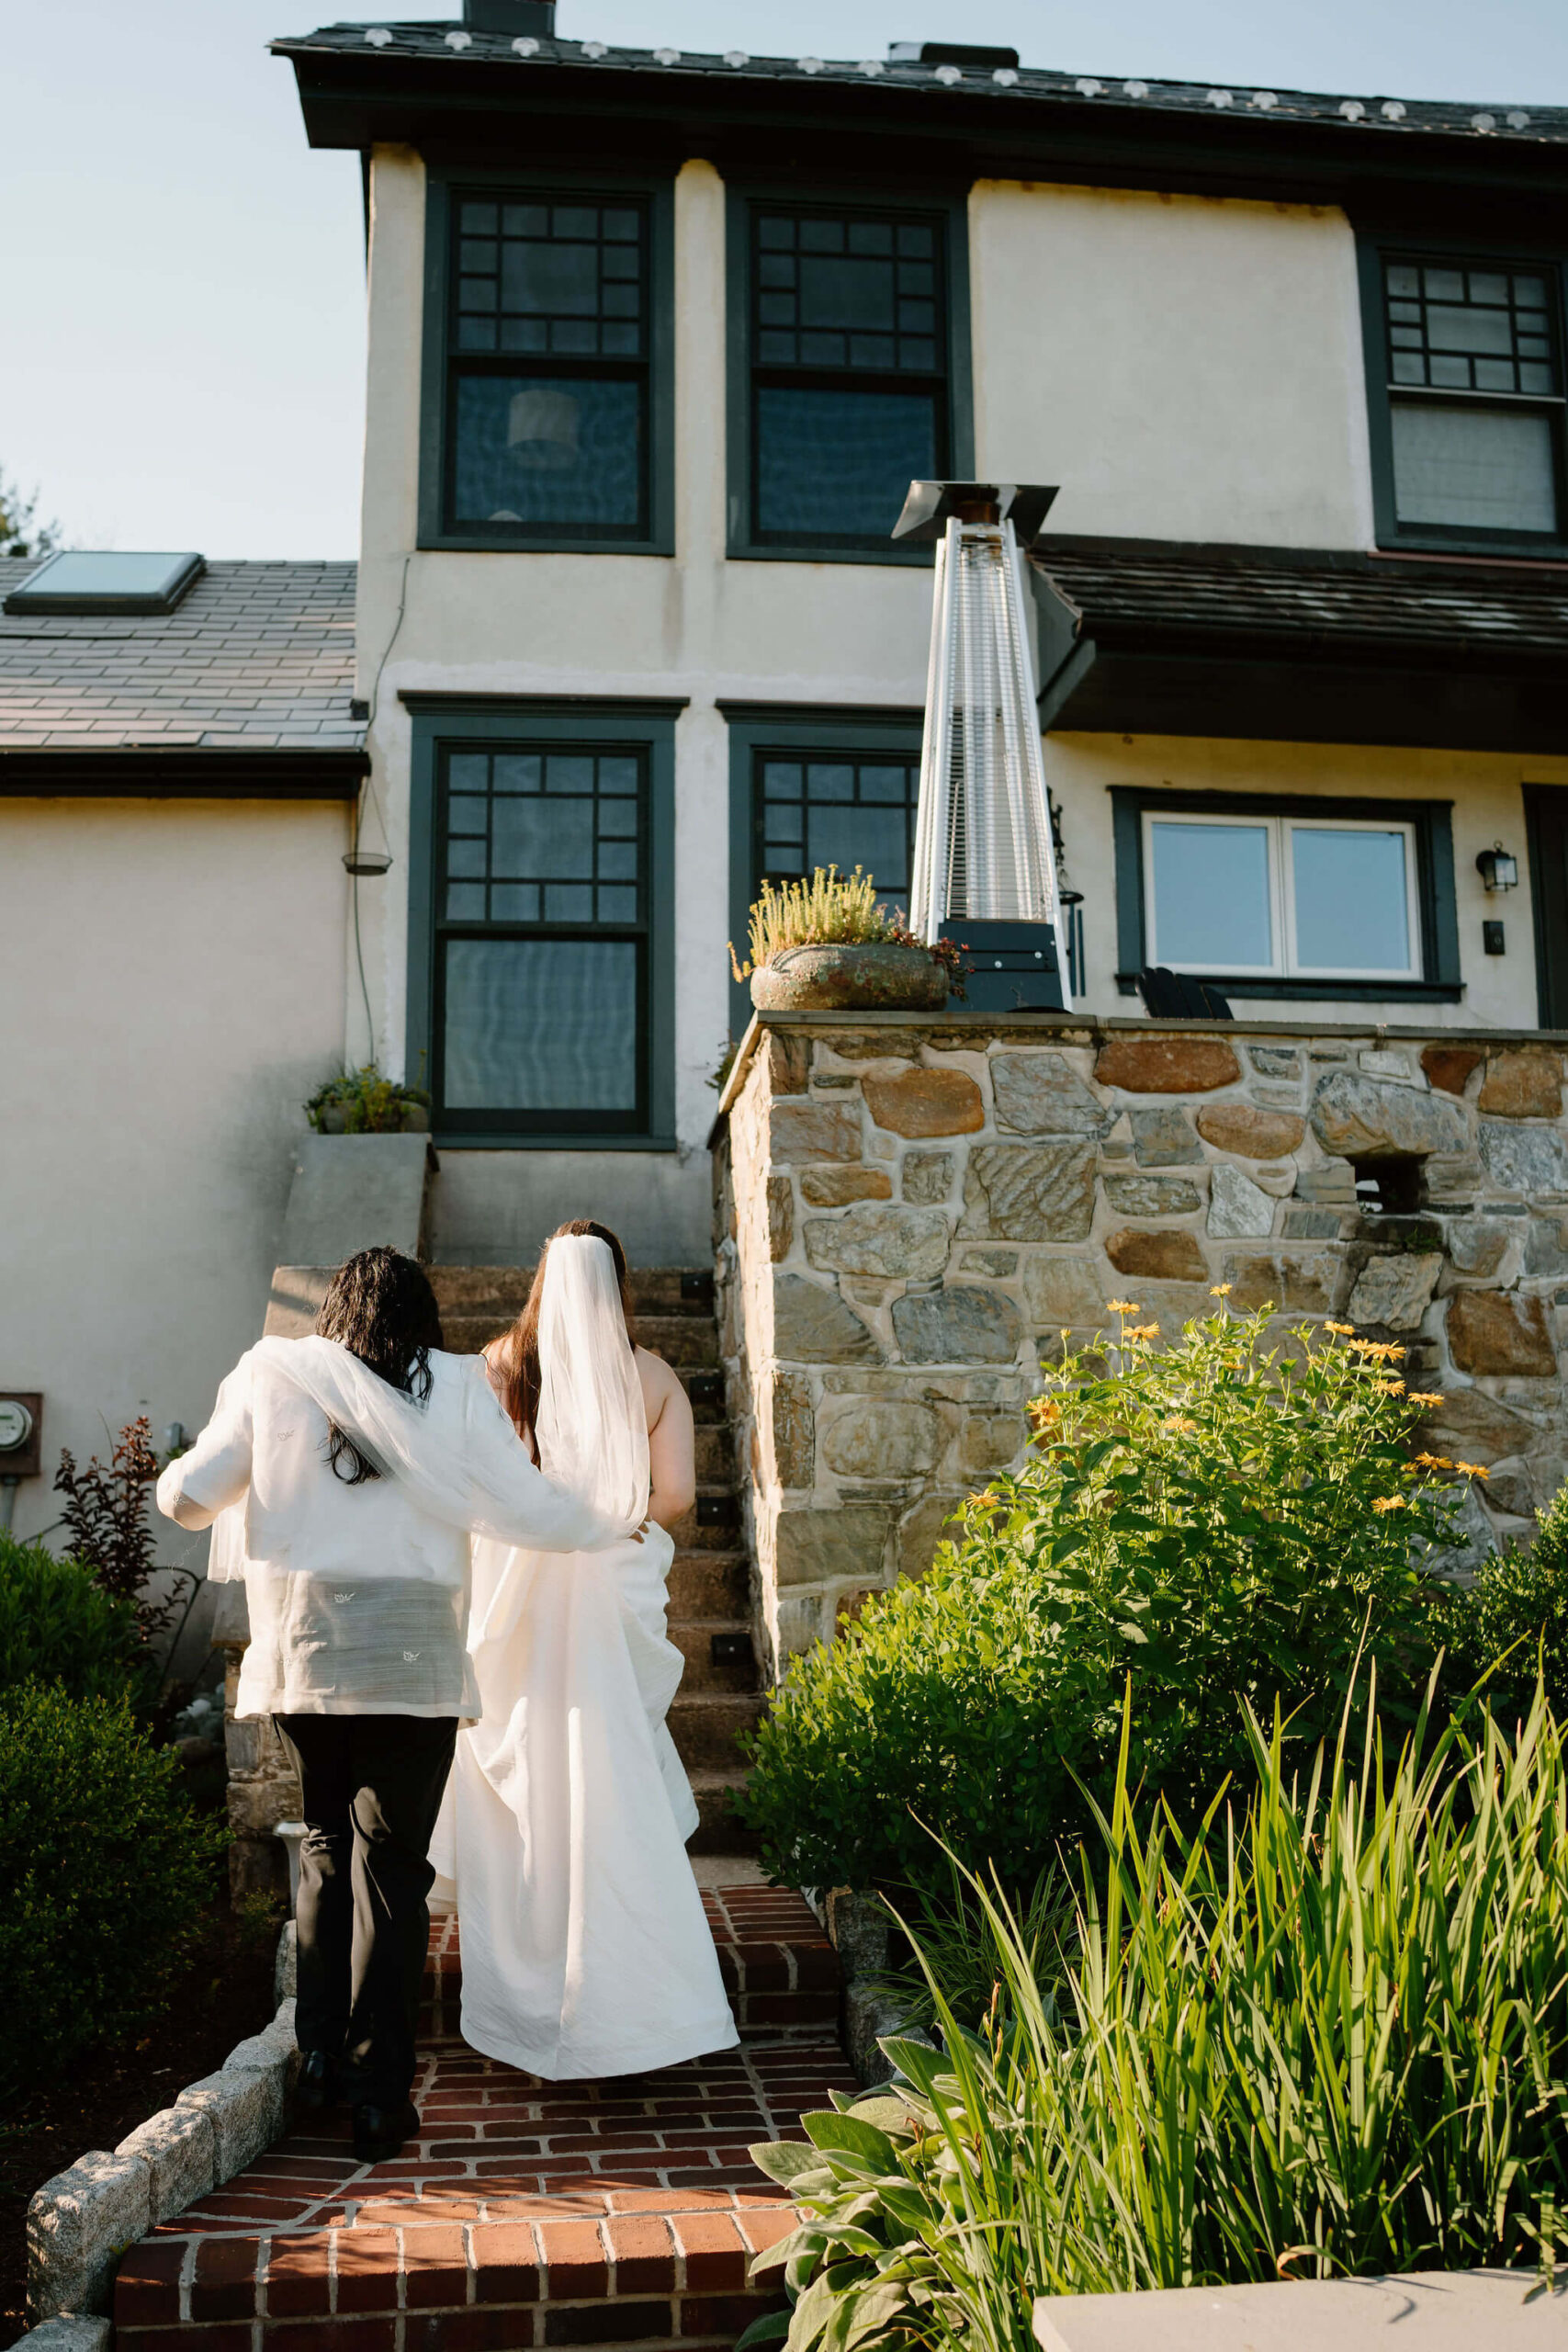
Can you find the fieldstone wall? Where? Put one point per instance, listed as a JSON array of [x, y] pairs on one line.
[[911, 1211]]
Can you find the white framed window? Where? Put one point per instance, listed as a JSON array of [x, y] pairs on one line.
[[1287, 897]]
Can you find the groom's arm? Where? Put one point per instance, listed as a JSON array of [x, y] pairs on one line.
[[216, 1470], [533, 1511]]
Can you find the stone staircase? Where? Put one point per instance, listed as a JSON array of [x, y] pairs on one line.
[[524, 2212], [710, 1578]]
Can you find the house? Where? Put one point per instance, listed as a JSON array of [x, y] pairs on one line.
[[656, 342]]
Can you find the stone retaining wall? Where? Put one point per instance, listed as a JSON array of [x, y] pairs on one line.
[[909, 1211]]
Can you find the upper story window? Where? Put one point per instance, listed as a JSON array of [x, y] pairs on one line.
[[546, 374], [849, 336], [1466, 367]]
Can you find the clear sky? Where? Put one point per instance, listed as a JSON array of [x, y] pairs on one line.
[[182, 335]]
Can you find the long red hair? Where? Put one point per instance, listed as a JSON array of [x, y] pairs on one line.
[[515, 1355]]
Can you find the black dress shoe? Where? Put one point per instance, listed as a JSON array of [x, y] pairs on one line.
[[317, 2086], [379, 2131]]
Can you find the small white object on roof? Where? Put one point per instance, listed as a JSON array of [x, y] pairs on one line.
[[871, 66], [1137, 89], [526, 46], [949, 74], [667, 57], [595, 49], [1221, 97], [1483, 123], [809, 65], [1518, 119], [378, 36], [1006, 75], [1393, 110], [1352, 109], [1088, 86], [737, 57], [1264, 100], [459, 40]]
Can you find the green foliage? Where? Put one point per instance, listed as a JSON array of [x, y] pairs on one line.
[[57, 1624], [362, 1102], [830, 911], [1516, 1612], [1330, 2037], [21, 531], [1225, 1524], [103, 1867], [954, 1944]]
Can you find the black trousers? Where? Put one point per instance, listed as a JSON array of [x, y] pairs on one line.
[[371, 1788]]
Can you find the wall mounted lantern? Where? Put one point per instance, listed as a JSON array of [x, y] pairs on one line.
[[1499, 870]]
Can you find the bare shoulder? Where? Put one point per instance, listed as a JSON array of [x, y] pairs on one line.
[[660, 1386]]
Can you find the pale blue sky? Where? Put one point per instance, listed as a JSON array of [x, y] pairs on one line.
[[182, 336]]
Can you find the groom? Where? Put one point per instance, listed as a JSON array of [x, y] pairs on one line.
[[359, 1497]]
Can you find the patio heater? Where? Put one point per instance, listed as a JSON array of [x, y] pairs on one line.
[[985, 872]]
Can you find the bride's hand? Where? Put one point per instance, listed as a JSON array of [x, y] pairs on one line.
[[638, 1533]]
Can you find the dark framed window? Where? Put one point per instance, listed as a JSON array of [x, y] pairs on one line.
[[1466, 385], [811, 787], [541, 961], [849, 371], [547, 383], [1275, 894]]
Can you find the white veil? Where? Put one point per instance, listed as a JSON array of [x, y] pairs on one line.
[[592, 1424]]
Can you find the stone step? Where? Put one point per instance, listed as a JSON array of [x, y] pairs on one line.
[[681, 1339], [522, 2212], [735, 1667], [718, 1831], [704, 1384], [713, 1523], [502, 1292], [715, 1454], [710, 1584], [705, 1726]]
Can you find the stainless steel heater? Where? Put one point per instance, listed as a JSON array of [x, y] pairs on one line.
[[985, 873]]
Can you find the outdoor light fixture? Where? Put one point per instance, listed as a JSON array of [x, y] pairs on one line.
[[1499, 870], [985, 873]]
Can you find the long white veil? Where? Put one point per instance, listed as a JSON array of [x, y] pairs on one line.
[[592, 1425]]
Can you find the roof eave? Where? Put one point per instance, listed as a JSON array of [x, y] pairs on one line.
[[333, 772]]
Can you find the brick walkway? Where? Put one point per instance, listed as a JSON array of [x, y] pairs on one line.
[[526, 2212]]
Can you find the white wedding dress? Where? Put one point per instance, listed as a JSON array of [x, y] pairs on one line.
[[562, 1838]]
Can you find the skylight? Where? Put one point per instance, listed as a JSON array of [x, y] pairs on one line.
[[84, 581]]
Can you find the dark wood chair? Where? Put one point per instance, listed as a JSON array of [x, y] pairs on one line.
[[1177, 996]]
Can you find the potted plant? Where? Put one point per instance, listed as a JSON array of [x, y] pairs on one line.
[[827, 945], [363, 1102]]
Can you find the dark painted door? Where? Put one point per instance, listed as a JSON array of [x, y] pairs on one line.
[[1546, 813]]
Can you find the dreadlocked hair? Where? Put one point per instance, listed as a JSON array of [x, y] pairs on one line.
[[515, 1355], [380, 1306]]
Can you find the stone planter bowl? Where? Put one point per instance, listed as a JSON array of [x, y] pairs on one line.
[[841, 976]]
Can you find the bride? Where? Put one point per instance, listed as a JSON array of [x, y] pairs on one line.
[[584, 1947]]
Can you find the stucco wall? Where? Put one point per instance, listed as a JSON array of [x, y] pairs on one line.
[[171, 972], [910, 1213]]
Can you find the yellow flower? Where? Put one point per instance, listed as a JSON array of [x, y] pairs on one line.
[[1434, 1460], [1392, 1387], [1123, 1306], [1177, 1427], [1390, 1502], [1219, 1290], [1346, 1331], [1425, 1396], [1376, 1350], [1473, 1469], [1142, 1331]]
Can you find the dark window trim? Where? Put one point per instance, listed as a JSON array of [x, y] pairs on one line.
[[1372, 249], [793, 727], [1433, 821], [467, 719], [951, 210], [658, 190]]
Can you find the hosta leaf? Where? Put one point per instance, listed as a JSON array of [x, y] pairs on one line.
[[847, 2135], [772, 2256], [771, 2328], [784, 2160]]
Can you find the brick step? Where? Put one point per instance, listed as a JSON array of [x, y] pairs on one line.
[[734, 1670], [710, 1584], [522, 2213], [779, 1969], [705, 1726]]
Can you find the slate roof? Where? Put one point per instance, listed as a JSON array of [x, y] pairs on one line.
[[256, 658], [448, 45], [1123, 590]]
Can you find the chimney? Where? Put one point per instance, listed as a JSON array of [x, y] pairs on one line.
[[512, 16]]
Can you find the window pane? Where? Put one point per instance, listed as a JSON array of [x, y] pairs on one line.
[[1210, 888], [541, 1025], [539, 839], [839, 464], [563, 450], [844, 812], [1352, 907], [874, 838], [1485, 469]]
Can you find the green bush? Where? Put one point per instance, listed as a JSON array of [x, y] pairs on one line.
[[1330, 2036], [1222, 1524], [1516, 1612], [57, 1624], [103, 1867]]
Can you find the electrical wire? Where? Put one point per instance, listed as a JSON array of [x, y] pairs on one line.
[[369, 792]]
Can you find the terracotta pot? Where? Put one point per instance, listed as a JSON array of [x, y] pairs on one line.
[[838, 977]]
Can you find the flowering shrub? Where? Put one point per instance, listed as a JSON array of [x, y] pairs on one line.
[[1220, 1524]]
